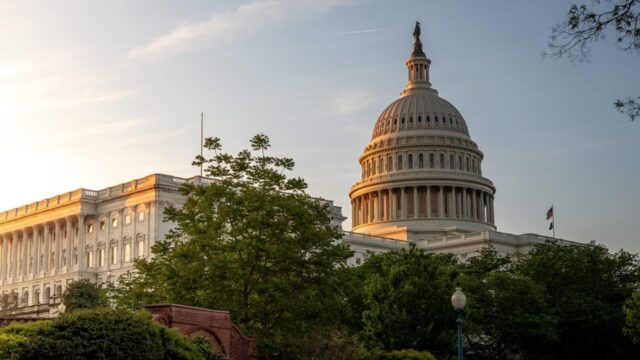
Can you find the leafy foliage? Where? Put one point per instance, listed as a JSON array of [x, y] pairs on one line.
[[407, 354], [407, 301], [253, 242], [585, 25], [83, 294], [632, 317], [586, 287], [97, 334]]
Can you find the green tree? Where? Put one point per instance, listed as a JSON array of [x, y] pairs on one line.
[[586, 287], [83, 294], [585, 25], [506, 313], [407, 301], [252, 242], [632, 317]]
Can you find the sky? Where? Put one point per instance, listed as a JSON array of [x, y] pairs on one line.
[[96, 93]]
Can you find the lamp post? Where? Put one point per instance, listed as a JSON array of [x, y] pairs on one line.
[[459, 300]]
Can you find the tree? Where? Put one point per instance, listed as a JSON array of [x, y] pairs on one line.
[[407, 301], [83, 294], [253, 242], [632, 317], [506, 313], [586, 287], [585, 25]]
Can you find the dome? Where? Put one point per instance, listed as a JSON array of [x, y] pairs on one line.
[[420, 110], [421, 171]]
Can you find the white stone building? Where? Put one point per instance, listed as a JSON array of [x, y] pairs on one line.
[[83, 234], [421, 183]]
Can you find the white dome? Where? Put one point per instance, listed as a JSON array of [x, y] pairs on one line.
[[421, 109]]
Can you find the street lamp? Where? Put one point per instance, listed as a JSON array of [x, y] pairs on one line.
[[459, 300]]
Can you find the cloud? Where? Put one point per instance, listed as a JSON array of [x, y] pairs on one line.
[[349, 102], [354, 32], [234, 23]]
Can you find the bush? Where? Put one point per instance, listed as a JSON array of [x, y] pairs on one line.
[[96, 334], [407, 354], [83, 294]]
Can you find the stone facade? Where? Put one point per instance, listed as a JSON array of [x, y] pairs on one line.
[[82, 234]]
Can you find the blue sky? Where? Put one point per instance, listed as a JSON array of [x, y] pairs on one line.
[[97, 93]]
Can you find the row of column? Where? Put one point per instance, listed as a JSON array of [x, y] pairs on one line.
[[422, 202], [41, 249]]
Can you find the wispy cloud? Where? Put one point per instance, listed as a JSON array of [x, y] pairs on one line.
[[234, 23], [354, 32], [349, 102]]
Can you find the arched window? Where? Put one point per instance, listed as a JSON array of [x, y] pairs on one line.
[[460, 162], [421, 161], [441, 161], [399, 164], [431, 161], [436, 119], [390, 164], [410, 161], [473, 165], [411, 119], [467, 164], [419, 118], [373, 167], [380, 164], [451, 162], [368, 173], [428, 119]]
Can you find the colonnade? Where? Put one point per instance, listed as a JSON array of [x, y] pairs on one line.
[[422, 202]]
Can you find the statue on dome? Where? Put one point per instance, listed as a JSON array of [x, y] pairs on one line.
[[417, 44]]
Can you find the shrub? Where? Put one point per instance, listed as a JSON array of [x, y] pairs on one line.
[[97, 334], [83, 294], [407, 354]]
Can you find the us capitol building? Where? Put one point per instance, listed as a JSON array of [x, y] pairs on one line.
[[421, 183]]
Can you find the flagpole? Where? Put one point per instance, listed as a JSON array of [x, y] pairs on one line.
[[201, 137], [554, 219]]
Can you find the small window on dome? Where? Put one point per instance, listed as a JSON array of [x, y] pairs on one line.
[[419, 118], [410, 161], [460, 162], [450, 121], [399, 164], [431, 160], [411, 119], [436, 119], [421, 161], [402, 120], [395, 121], [390, 164], [428, 118], [451, 163], [441, 161], [467, 164]]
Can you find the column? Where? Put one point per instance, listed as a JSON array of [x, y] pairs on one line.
[[454, 205], [428, 201], [474, 206], [482, 209], [47, 248], [392, 204], [491, 209], [465, 211], [68, 240], [25, 254], [379, 217], [58, 247], [416, 203], [81, 232], [371, 208], [441, 202], [14, 255]]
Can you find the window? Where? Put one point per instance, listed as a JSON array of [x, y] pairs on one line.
[[91, 228], [368, 171], [419, 118], [402, 121], [88, 258], [410, 161], [399, 164], [114, 222], [436, 119], [127, 252], [127, 219], [420, 161], [460, 162], [373, 170], [451, 162], [431, 161], [102, 226], [390, 164], [141, 248], [101, 257], [428, 119], [114, 254], [141, 216], [441, 161], [467, 164], [473, 165]]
